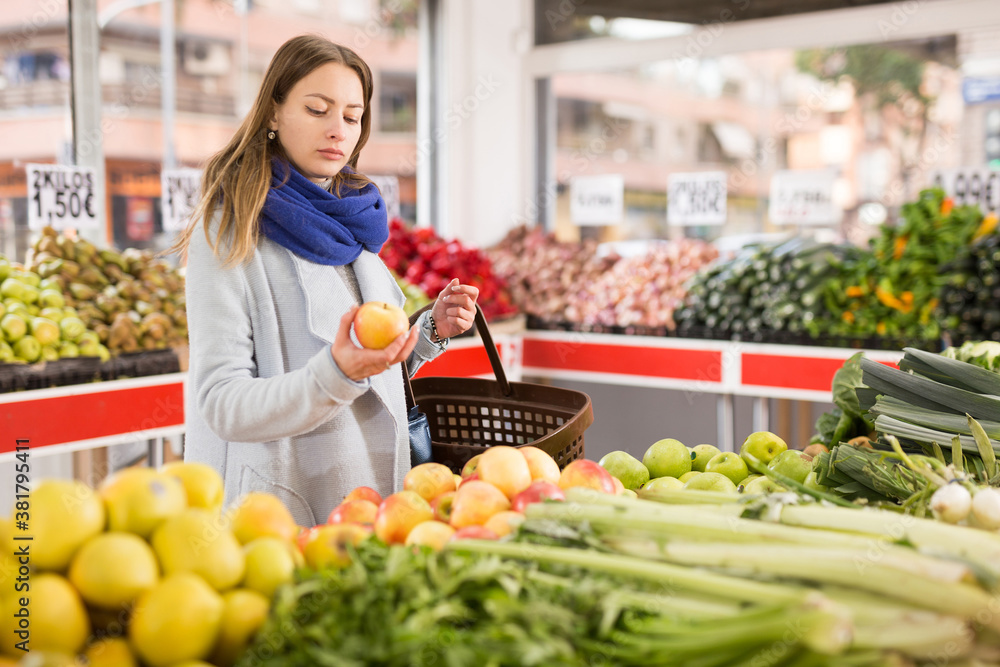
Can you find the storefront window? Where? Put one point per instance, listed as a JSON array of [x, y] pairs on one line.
[[880, 120]]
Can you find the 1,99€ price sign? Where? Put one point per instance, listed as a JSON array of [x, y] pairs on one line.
[[61, 197]]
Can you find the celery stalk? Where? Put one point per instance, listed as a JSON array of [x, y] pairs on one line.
[[655, 502], [843, 567], [689, 523], [928, 535], [722, 586]]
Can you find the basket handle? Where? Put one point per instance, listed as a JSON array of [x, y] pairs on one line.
[[491, 348]]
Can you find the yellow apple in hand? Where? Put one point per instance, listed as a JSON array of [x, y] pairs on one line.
[[376, 324]]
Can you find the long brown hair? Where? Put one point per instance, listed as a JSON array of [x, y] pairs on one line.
[[239, 176]]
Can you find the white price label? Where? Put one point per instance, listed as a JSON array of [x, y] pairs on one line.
[[389, 187], [970, 187], [597, 200], [61, 197], [697, 198], [803, 198], [179, 191]]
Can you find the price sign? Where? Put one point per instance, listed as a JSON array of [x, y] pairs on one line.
[[61, 197], [970, 186], [389, 187], [696, 198], [597, 200], [803, 198], [179, 193]]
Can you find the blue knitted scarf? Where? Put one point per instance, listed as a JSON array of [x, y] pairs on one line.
[[319, 226]]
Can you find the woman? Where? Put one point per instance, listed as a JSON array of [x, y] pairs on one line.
[[281, 251]]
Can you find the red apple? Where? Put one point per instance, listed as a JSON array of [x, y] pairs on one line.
[[363, 493], [470, 466], [329, 546], [398, 514], [503, 523], [536, 493], [474, 533], [377, 323], [505, 468], [431, 534], [442, 506], [586, 473], [305, 534], [541, 465], [474, 477], [354, 511], [430, 480], [475, 503]]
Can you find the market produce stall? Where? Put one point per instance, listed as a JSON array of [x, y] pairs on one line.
[[876, 553]]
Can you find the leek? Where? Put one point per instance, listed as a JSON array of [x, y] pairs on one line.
[[942, 421], [927, 393], [957, 373], [922, 434]]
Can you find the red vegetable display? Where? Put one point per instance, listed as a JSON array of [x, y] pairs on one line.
[[426, 260]]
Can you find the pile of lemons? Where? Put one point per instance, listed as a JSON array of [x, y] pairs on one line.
[[145, 570]]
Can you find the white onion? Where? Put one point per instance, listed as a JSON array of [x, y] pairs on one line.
[[951, 503], [986, 508]]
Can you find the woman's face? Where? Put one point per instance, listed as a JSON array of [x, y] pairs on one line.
[[319, 123]]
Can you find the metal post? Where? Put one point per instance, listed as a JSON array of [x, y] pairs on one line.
[[243, 9], [725, 408], [545, 151], [85, 104], [432, 133], [761, 413], [168, 93]]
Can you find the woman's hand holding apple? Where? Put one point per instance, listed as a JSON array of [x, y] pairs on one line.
[[359, 363], [455, 309]]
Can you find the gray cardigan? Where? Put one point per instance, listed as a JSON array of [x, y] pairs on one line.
[[266, 405]]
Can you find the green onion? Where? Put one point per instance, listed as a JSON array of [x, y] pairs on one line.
[[986, 452]]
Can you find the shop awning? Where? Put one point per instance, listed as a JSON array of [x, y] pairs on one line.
[[736, 140]]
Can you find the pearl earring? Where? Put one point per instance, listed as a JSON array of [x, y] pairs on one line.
[[270, 134]]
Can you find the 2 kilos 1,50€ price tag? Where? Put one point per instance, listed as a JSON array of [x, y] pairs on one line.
[[61, 197]]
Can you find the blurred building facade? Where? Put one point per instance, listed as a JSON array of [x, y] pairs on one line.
[[213, 94]]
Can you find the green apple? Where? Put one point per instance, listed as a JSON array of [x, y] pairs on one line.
[[762, 485], [28, 349], [72, 328], [54, 314], [729, 464], [688, 476], [12, 288], [711, 481], [45, 330], [667, 457], [6, 354], [763, 446], [49, 353], [663, 483], [13, 327], [749, 478], [51, 298], [812, 482], [701, 455], [792, 464], [68, 350], [630, 493], [628, 469], [15, 307]]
